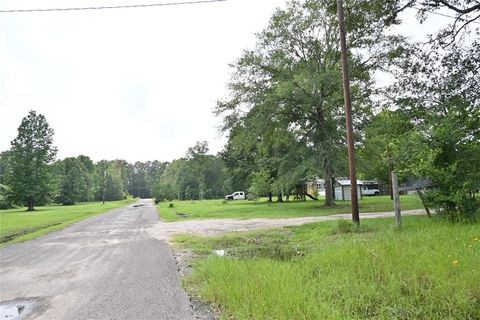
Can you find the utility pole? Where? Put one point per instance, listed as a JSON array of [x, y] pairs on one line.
[[348, 113]]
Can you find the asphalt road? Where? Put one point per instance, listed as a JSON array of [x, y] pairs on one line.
[[106, 267]]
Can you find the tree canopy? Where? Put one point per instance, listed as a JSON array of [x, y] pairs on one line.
[[32, 151]]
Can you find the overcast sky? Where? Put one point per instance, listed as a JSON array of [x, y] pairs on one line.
[[133, 84]]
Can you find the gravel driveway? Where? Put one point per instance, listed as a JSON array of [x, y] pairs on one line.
[[165, 230], [105, 267]]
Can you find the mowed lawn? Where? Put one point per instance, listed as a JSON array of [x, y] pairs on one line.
[[19, 225], [330, 270], [211, 209]]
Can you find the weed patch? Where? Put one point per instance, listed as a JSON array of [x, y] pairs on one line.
[[428, 270]]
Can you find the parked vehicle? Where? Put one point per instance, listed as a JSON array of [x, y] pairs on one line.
[[237, 195], [370, 191]]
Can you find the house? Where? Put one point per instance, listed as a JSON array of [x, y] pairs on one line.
[[317, 186], [343, 187]]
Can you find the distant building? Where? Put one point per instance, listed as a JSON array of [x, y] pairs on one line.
[[317, 186], [343, 188]]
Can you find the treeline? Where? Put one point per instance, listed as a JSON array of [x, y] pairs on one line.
[[79, 179], [30, 176], [196, 176]]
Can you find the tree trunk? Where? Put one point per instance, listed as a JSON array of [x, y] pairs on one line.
[[329, 197], [279, 198], [270, 197], [31, 204], [422, 198]]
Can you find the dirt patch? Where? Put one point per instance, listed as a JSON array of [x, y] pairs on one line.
[[184, 258]]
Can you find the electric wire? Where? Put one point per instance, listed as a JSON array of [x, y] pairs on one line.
[[182, 3], [166, 4]]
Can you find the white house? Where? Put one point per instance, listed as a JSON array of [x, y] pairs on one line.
[[317, 185]]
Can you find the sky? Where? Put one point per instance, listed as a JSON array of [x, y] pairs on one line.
[[135, 84]]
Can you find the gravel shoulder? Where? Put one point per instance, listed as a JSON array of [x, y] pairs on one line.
[[165, 230]]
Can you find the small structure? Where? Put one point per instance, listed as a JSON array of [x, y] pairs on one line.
[[317, 186], [300, 191], [343, 188]]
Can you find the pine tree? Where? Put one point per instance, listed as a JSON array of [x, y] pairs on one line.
[[32, 151]]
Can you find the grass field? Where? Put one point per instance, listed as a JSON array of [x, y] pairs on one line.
[[262, 209], [331, 270], [19, 225]]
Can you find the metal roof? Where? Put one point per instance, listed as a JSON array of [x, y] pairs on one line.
[[347, 182]]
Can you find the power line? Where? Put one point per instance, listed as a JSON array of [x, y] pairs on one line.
[[112, 7]]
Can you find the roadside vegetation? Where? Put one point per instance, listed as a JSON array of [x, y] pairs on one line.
[[20, 225], [244, 209], [333, 270]]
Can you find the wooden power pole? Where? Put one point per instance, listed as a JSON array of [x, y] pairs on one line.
[[348, 113]]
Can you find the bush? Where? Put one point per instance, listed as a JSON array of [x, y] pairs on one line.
[[5, 203], [456, 207], [68, 202], [170, 205], [251, 197]]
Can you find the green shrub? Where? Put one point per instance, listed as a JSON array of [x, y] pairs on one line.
[[5, 203], [456, 206]]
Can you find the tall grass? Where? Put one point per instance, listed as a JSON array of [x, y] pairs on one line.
[[427, 270]]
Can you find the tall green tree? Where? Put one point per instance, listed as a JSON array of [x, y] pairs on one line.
[[74, 180], [199, 172], [31, 153], [108, 181], [385, 131], [5, 202], [292, 79]]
